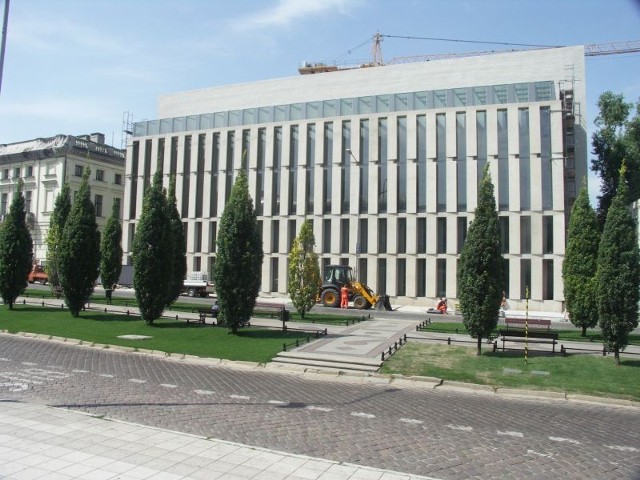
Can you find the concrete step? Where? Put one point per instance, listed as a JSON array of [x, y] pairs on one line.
[[333, 362]]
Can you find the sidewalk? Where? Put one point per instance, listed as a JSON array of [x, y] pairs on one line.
[[43, 442]]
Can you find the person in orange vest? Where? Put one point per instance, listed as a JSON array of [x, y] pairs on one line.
[[344, 297]]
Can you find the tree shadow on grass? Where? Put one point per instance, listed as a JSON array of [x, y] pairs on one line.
[[630, 363], [267, 334]]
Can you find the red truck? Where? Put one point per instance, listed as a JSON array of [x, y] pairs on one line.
[[37, 275]]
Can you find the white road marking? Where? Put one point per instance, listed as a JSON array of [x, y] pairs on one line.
[[2, 359], [460, 427], [319, 409], [18, 377], [568, 440], [411, 420], [80, 371], [547, 455], [277, 402], [29, 363], [511, 434], [137, 380], [106, 375], [14, 387], [240, 397], [168, 385], [362, 415], [204, 392], [46, 374], [622, 448]]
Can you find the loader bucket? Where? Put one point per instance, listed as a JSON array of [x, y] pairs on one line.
[[383, 303]]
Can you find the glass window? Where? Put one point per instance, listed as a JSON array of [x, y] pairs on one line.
[[504, 234], [401, 277], [420, 100], [382, 235], [441, 167], [274, 275], [326, 235], [421, 233], [479, 95], [28, 196], [462, 232], [264, 114], [329, 108], [401, 102], [383, 103], [545, 158], [362, 239], [525, 278], [165, 125], [280, 113], [441, 277], [440, 99], [179, 123], [525, 234], [100, 175], [547, 274], [249, 116], [402, 164], [234, 118], [547, 234], [98, 205], [29, 171], [503, 161], [544, 91], [441, 232], [421, 277], [346, 106], [344, 235], [524, 159], [193, 122], [421, 160], [17, 172], [275, 236], [459, 97], [117, 179], [522, 92], [365, 104], [5, 174], [461, 161], [401, 235], [500, 94], [381, 280], [77, 172], [313, 110], [296, 111], [206, 121], [220, 119], [117, 206]]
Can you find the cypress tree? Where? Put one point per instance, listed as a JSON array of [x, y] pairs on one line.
[[151, 252], [580, 261], [79, 250], [178, 256], [304, 270], [58, 218], [618, 274], [238, 268], [16, 250], [111, 252], [480, 269]]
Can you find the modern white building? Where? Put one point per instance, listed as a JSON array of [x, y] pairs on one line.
[[385, 161], [44, 164]]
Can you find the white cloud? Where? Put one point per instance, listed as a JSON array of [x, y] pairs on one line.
[[285, 12], [54, 108]]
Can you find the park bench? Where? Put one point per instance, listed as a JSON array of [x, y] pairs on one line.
[[277, 309], [203, 314], [537, 330]]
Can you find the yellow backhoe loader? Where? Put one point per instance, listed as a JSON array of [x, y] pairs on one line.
[[363, 298]]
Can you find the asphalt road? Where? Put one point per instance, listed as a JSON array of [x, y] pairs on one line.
[[449, 435]]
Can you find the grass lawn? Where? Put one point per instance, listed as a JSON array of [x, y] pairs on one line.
[[586, 374], [250, 344]]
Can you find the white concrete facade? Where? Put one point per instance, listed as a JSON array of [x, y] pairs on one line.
[[44, 164], [397, 209]]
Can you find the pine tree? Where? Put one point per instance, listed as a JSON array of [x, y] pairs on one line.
[[304, 270], [580, 261], [58, 218], [238, 268], [16, 250], [79, 250], [618, 274], [111, 252], [480, 268], [151, 251], [179, 257]]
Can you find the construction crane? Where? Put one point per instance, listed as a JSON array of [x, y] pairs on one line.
[[592, 50]]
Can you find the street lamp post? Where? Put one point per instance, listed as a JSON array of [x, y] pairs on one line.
[[357, 267]]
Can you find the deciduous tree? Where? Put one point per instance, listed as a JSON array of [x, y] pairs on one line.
[[580, 261], [16, 250], [238, 268], [152, 253], [618, 274], [304, 270], [480, 267], [79, 250]]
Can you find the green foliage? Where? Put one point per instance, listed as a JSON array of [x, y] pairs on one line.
[[178, 256], [79, 250], [61, 211], [618, 274], [111, 250], [152, 253], [480, 269], [304, 270], [16, 252], [580, 261], [238, 268], [617, 139]]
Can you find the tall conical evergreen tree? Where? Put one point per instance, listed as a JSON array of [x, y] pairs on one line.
[[480, 268], [618, 274], [152, 251], [79, 251], [304, 270], [58, 218], [580, 262], [111, 251], [179, 249], [238, 269], [16, 250]]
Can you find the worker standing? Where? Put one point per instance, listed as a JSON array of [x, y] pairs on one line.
[[344, 297]]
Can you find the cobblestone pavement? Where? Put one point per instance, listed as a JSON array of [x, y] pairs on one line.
[[449, 435]]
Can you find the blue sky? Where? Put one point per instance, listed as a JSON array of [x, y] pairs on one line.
[[75, 66]]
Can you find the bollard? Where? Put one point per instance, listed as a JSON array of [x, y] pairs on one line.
[[604, 351], [495, 346], [43, 303], [456, 330], [383, 356], [127, 313], [24, 302], [284, 347], [449, 341], [105, 309], [62, 305]]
